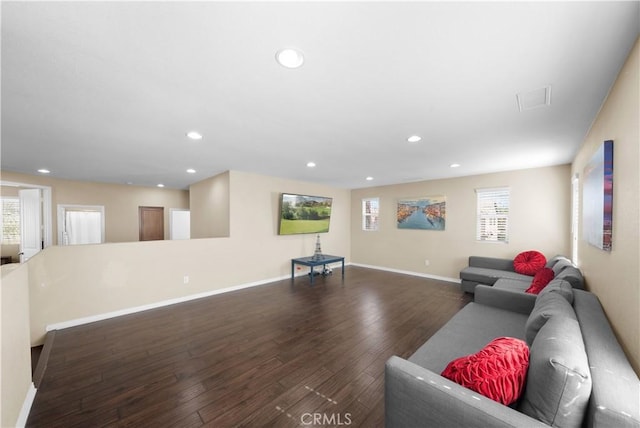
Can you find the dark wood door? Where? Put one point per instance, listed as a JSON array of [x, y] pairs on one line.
[[151, 223]]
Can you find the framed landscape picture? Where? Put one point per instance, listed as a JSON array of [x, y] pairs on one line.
[[426, 213], [304, 214]]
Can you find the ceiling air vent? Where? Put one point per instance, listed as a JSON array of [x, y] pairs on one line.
[[534, 99]]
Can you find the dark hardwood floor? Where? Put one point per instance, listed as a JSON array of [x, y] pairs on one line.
[[283, 354]]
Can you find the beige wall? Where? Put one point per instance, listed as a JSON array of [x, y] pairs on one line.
[[209, 201], [615, 276], [539, 219], [121, 202], [255, 204], [15, 357], [68, 283]]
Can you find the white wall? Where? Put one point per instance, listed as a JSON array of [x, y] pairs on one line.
[[68, 283], [209, 202], [539, 219], [121, 202], [15, 358], [615, 276]]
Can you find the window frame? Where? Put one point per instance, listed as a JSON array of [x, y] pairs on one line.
[[369, 214], [16, 237], [575, 217], [500, 198]]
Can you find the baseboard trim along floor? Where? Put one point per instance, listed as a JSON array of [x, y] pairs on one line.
[[132, 310], [407, 272], [135, 309]]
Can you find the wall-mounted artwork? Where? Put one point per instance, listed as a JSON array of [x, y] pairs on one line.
[[427, 213], [597, 200], [304, 214]]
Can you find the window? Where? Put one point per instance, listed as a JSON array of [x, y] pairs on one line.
[[575, 213], [493, 215], [10, 221], [370, 209]]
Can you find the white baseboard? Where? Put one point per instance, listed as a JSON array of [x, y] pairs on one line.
[[26, 406], [132, 310], [406, 272]]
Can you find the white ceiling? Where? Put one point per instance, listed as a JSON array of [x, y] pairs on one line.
[[105, 91]]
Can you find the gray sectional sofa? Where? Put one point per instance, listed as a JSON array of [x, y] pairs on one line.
[[578, 374], [501, 273]]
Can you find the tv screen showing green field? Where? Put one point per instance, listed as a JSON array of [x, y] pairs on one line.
[[304, 214]]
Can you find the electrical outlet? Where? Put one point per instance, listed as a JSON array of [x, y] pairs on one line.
[[186, 279], [427, 262]]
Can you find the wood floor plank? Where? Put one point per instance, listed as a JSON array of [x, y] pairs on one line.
[[263, 356]]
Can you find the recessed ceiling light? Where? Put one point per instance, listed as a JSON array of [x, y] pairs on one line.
[[160, 185], [194, 135], [44, 171], [369, 178], [289, 58], [311, 164], [191, 171], [414, 139], [454, 165]]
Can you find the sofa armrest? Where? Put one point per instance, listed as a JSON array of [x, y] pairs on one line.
[[417, 397], [512, 300], [491, 263]]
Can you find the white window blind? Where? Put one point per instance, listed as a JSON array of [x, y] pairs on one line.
[[492, 219], [370, 209], [10, 221]]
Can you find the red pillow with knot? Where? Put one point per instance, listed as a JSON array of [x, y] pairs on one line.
[[542, 278], [498, 371], [529, 262]]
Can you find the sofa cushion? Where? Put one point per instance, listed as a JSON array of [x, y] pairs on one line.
[[615, 386], [558, 382], [573, 275], [512, 284], [540, 280], [489, 276], [529, 262], [560, 265], [497, 371], [467, 332], [555, 259], [547, 305], [561, 287]]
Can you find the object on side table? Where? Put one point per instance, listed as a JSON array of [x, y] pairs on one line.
[[318, 253]]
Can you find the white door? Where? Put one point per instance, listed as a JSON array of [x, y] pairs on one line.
[[30, 223], [179, 224]]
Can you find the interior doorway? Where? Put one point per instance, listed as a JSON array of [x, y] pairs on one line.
[[151, 221], [30, 223], [39, 233], [179, 224], [80, 224]]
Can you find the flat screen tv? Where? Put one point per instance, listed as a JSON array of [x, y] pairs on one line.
[[303, 214]]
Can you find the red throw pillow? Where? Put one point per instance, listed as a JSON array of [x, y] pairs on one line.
[[529, 262], [498, 371], [540, 281]]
